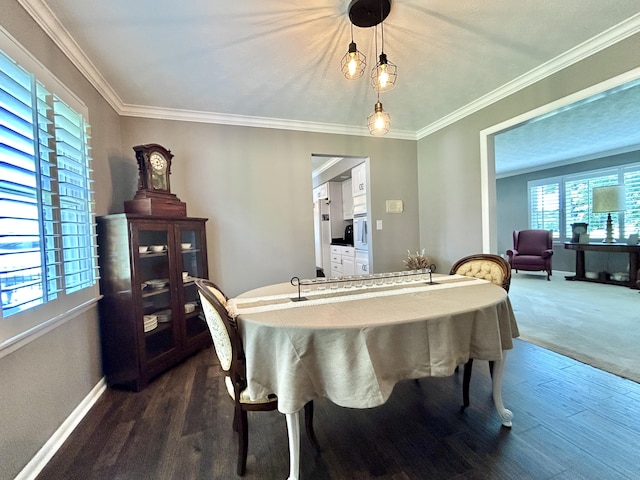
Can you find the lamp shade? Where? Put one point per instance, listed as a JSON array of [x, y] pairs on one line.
[[608, 199]]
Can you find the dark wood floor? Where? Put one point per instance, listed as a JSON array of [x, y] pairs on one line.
[[571, 421]]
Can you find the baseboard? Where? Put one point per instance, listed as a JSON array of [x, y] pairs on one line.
[[49, 449]]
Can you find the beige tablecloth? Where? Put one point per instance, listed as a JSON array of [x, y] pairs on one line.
[[353, 351]]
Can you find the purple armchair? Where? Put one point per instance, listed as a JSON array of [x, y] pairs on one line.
[[532, 251]]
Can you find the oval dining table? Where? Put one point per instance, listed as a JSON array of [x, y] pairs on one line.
[[352, 345]]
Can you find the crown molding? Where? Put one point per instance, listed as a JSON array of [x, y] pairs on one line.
[[601, 41], [248, 121], [325, 166], [46, 19]]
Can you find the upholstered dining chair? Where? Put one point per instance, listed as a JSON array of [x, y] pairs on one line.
[[532, 251], [488, 267], [228, 346]]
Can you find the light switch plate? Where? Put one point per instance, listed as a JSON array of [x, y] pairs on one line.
[[378, 224], [395, 206]]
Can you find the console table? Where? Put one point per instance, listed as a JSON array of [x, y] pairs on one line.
[[580, 248]]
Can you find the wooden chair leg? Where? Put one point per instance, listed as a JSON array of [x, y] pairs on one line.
[[308, 423], [243, 442], [466, 380], [236, 420]]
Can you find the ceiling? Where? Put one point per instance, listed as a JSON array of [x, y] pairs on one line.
[[277, 64]]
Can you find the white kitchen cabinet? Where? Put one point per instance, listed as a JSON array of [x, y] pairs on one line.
[[359, 180], [362, 263], [342, 261], [348, 266], [321, 192]]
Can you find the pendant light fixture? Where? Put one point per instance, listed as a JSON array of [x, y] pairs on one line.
[[364, 14], [385, 73], [354, 62], [379, 121]]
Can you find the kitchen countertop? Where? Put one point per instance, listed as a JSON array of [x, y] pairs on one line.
[[341, 242]]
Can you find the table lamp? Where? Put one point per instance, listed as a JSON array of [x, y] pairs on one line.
[[607, 200]]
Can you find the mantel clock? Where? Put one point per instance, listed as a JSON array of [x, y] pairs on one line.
[[154, 195]]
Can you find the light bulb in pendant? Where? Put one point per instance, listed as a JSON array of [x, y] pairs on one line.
[[353, 63], [383, 75], [379, 121]]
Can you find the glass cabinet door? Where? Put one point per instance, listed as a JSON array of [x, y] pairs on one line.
[[193, 257], [154, 276]]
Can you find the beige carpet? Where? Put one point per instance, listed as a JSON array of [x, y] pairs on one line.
[[593, 323]]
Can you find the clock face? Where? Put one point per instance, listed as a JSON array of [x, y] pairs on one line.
[[579, 228], [159, 173], [158, 162]]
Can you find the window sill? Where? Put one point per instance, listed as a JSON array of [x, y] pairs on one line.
[[16, 342]]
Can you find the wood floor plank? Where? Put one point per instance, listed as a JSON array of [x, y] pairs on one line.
[[570, 422]]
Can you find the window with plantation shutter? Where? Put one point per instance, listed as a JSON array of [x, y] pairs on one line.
[[556, 203], [48, 261], [579, 204], [76, 204], [544, 207], [631, 178]]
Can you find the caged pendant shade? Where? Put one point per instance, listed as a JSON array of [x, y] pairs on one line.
[[379, 121], [385, 73], [365, 14], [354, 62]]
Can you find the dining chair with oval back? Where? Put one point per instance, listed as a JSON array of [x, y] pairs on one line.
[[229, 349], [489, 267]]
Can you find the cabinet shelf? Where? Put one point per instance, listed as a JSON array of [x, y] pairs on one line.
[[131, 356], [154, 292], [159, 329]]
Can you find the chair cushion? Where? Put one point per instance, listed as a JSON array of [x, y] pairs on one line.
[[219, 334], [532, 261], [484, 269], [244, 397], [218, 294], [532, 242]]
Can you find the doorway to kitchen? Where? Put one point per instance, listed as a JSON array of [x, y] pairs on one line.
[[340, 213]]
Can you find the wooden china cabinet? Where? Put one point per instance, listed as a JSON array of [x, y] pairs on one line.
[[150, 316]]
